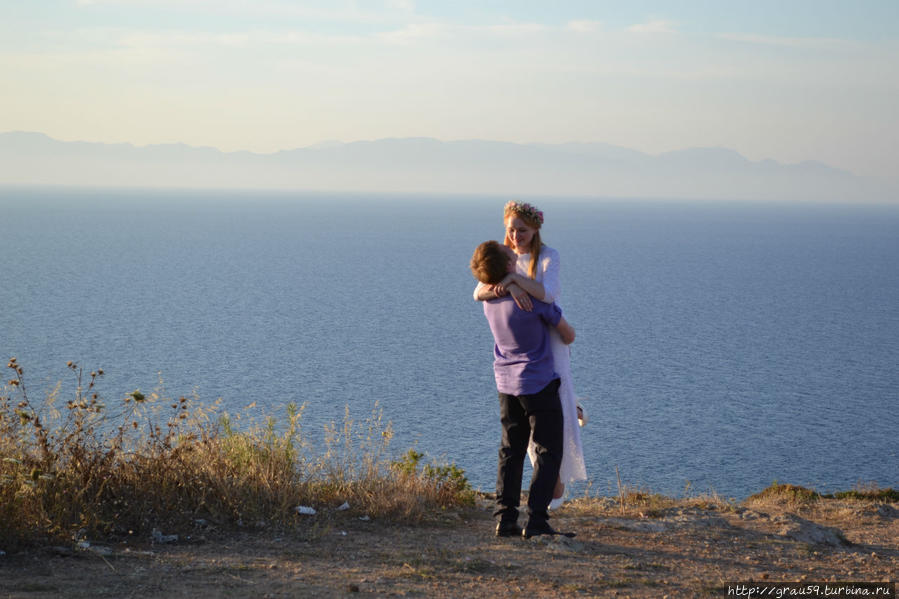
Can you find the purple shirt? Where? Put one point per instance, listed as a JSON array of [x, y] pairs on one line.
[[522, 356]]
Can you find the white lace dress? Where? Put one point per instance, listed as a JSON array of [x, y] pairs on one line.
[[573, 467]]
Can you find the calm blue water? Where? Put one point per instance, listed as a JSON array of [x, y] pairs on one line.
[[722, 345]]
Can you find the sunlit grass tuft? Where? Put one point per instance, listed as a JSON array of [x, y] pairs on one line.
[[778, 493]]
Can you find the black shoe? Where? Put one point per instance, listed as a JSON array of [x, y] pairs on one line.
[[508, 529], [543, 528]]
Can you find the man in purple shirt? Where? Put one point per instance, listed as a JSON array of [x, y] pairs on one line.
[[528, 389]]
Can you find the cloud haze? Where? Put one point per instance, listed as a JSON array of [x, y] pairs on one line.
[[266, 76]]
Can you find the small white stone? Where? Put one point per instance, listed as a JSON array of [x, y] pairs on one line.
[[305, 510]]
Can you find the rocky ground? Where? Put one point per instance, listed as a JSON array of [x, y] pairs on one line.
[[687, 548]]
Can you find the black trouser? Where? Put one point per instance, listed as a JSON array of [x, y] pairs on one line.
[[541, 413]]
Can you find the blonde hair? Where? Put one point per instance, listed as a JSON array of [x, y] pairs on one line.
[[532, 218]]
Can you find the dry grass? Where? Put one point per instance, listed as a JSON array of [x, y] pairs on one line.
[[788, 494], [84, 468], [809, 502], [638, 501], [869, 492]]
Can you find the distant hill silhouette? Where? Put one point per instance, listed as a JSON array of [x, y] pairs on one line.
[[432, 166]]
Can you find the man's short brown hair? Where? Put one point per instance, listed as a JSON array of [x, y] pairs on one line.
[[490, 262]]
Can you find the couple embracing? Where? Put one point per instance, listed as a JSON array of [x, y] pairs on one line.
[[519, 285]]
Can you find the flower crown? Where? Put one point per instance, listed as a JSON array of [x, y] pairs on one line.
[[524, 210]]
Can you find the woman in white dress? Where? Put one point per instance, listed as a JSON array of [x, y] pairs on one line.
[[537, 277]]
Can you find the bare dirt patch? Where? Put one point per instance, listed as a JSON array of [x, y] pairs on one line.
[[685, 549]]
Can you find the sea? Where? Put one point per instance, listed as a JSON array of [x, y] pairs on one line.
[[721, 345]]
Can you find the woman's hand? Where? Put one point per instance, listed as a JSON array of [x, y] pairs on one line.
[[520, 296], [508, 281], [496, 290]]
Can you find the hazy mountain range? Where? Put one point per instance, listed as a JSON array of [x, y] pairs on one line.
[[427, 165]]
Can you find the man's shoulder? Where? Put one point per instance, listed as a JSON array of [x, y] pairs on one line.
[[499, 300], [545, 308], [499, 307]]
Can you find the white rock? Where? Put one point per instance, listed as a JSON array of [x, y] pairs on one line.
[[344, 506], [305, 510]]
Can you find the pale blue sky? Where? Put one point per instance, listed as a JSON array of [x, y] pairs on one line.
[[788, 80]]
